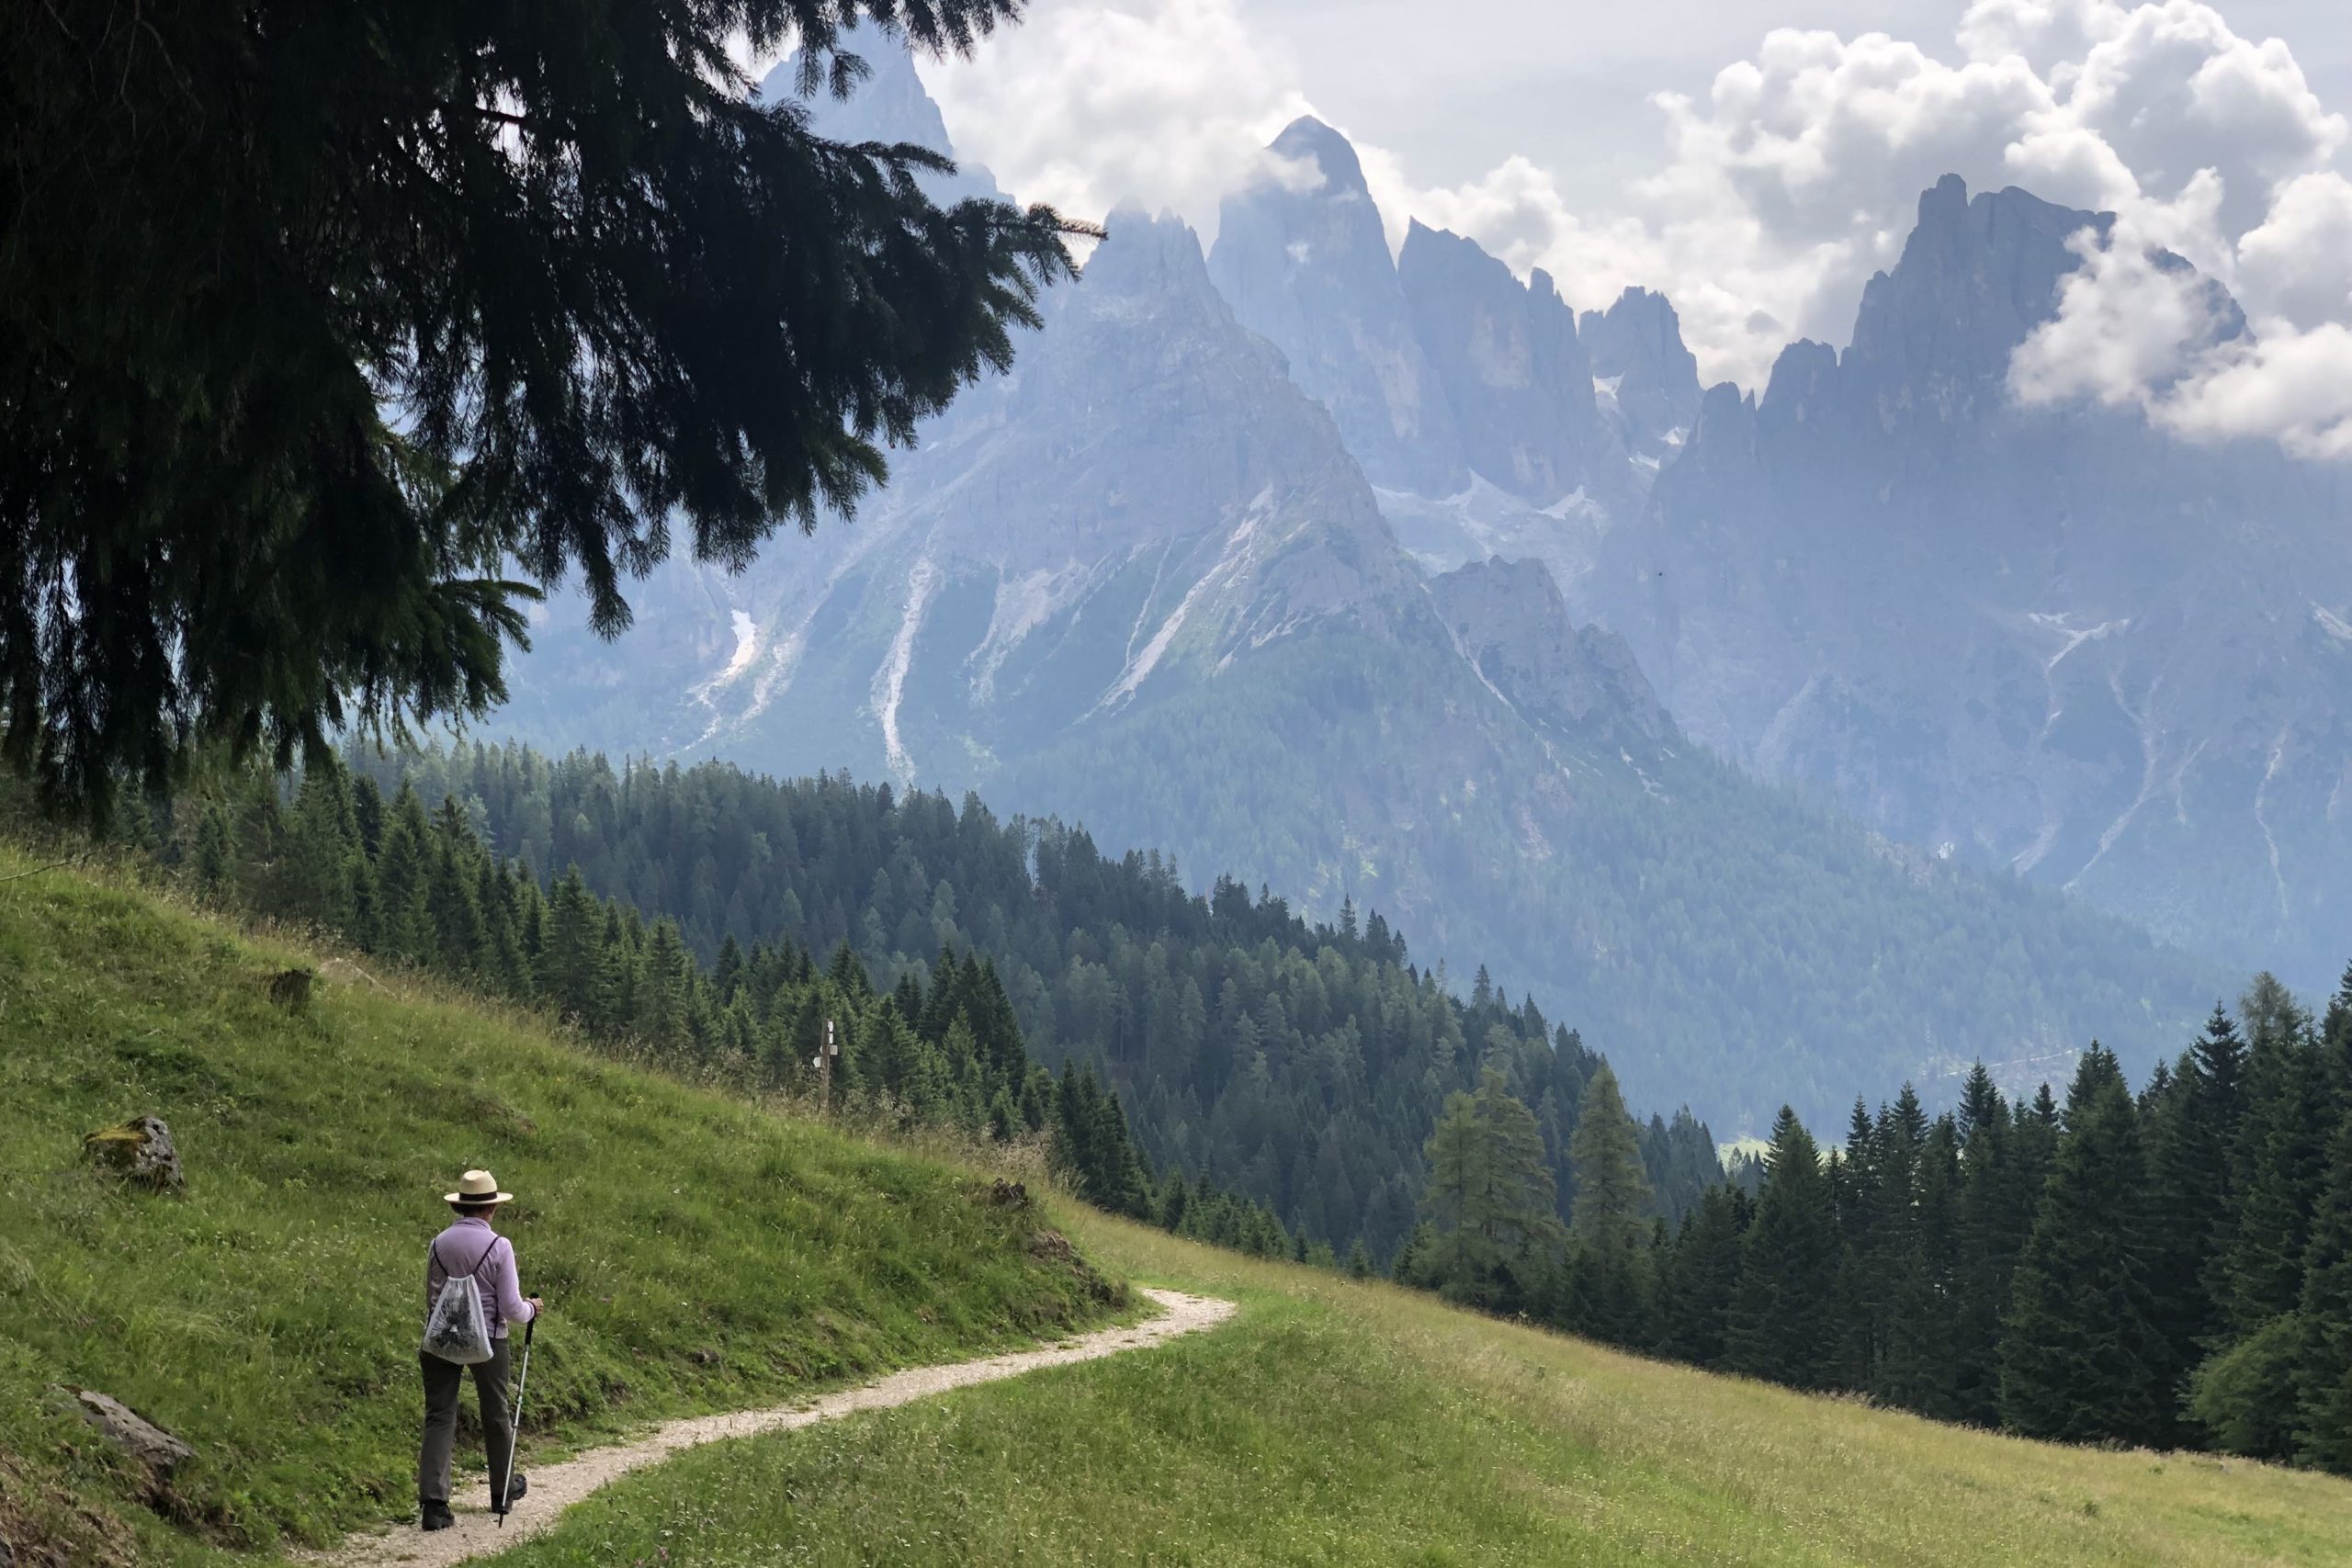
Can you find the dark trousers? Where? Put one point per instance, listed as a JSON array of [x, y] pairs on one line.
[[441, 1383]]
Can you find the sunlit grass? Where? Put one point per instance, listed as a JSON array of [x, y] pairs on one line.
[[1336, 1422], [697, 1253]]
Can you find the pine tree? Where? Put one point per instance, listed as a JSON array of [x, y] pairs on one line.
[[1919, 1371], [1787, 1265], [1994, 1221], [568, 968], [315, 885], [2183, 1195], [2322, 1367], [1856, 1329], [2281, 1165], [1700, 1277], [2080, 1359], [213, 855], [404, 877]]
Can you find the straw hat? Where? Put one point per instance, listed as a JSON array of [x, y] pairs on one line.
[[478, 1186]]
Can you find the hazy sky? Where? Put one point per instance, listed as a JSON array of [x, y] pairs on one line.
[[1758, 161]]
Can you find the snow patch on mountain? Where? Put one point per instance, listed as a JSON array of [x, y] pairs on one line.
[[1235, 554], [747, 647], [1022, 604], [890, 681]]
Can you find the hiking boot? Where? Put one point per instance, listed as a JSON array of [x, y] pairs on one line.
[[437, 1516], [516, 1485]]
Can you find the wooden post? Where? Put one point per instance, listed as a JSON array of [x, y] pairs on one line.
[[825, 1054]]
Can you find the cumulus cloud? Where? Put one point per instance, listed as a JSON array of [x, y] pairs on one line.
[[1795, 175], [2295, 387], [2296, 266], [1165, 103], [2129, 323]]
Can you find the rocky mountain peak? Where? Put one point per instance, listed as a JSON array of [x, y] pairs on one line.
[[1518, 379], [1153, 259], [1934, 335], [1647, 377], [1572, 681], [889, 105], [1308, 140], [1302, 257]]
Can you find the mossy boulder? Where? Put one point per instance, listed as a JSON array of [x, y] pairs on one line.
[[140, 1151]]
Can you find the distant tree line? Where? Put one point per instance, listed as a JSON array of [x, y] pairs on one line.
[[2171, 1270]]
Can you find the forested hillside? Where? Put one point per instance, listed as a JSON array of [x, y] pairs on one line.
[[1301, 1066], [2169, 1269]]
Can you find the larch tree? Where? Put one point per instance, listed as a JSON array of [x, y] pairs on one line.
[[1611, 1216], [1491, 1198]]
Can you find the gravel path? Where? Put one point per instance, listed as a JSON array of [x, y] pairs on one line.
[[556, 1487]]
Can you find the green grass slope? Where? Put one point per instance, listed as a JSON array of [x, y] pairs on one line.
[[1342, 1424], [697, 1252]]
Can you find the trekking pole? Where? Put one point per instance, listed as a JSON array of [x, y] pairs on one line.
[[515, 1421]]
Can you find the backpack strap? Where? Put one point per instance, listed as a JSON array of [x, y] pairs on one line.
[[435, 1252]]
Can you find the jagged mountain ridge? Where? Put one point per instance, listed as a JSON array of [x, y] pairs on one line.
[[1301, 257], [2051, 638], [1140, 582], [1646, 378]]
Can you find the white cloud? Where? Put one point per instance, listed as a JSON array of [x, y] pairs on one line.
[[1793, 177], [2295, 387], [2132, 332], [1166, 103], [2298, 265], [2126, 326]]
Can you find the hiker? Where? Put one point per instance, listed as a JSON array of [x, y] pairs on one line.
[[470, 1248]]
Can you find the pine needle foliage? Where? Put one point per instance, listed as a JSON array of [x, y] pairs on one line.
[[318, 325]]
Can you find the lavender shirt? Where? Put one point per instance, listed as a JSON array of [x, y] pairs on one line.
[[455, 1251]]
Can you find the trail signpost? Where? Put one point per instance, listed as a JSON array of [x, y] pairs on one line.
[[824, 1065]]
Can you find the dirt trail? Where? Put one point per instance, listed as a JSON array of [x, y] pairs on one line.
[[557, 1487]]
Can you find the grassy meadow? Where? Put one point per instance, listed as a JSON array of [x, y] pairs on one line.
[[697, 1253], [1335, 1423]]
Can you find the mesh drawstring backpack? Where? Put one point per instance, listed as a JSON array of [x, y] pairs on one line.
[[457, 1330]]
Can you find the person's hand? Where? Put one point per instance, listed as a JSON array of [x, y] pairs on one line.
[[538, 1306]]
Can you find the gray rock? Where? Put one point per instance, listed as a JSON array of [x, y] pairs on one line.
[[1301, 256], [1515, 376], [134, 1433], [140, 1151], [2049, 639], [1571, 681], [1649, 376]]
